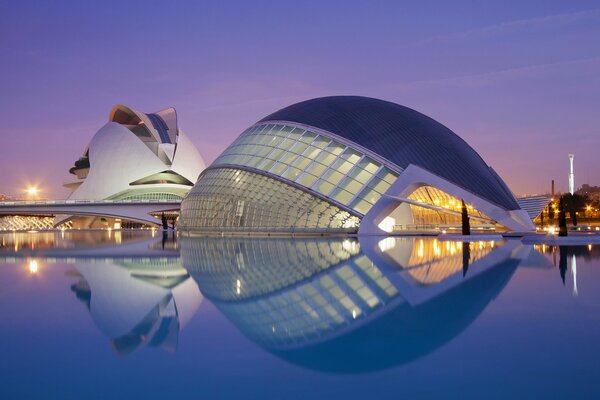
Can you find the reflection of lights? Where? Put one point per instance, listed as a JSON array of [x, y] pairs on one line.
[[238, 287], [349, 246], [436, 249], [353, 313], [33, 267], [421, 248], [387, 244]]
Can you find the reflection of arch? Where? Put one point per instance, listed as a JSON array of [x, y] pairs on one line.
[[363, 311], [414, 177]]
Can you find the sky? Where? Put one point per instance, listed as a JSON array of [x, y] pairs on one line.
[[518, 80]]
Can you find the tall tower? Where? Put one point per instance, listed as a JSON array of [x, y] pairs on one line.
[[571, 175]]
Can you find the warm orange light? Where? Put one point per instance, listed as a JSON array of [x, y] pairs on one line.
[[33, 267]]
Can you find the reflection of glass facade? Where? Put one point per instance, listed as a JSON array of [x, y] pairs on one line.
[[227, 198], [282, 292], [314, 161], [237, 269], [322, 304], [288, 293]]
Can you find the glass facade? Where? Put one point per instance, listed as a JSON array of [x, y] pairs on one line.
[[314, 161], [229, 199], [152, 196]]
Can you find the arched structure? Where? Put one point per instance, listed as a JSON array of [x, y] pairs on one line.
[[348, 164]]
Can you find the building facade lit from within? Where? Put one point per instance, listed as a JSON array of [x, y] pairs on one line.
[[134, 157], [348, 164]]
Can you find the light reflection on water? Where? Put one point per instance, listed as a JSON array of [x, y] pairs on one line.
[[338, 307]]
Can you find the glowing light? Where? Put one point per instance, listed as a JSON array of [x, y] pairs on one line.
[[589, 247], [32, 190], [33, 267], [238, 287], [387, 224]]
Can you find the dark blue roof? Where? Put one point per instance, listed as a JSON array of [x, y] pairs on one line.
[[403, 136]]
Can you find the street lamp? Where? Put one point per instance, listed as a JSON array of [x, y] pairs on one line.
[[32, 191]]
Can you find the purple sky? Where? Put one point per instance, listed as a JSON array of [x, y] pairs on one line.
[[518, 80]]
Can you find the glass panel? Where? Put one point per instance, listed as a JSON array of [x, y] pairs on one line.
[[298, 147], [342, 196], [342, 166], [311, 152], [350, 155], [306, 179], [277, 168], [287, 157], [332, 176], [335, 148], [362, 207], [291, 173], [316, 168], [325, 158], [301, 162], [322, 186], [351, 185], [321, 142], [360, 174], [308, 137]]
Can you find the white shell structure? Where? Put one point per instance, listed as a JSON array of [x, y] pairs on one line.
[[137, 156]]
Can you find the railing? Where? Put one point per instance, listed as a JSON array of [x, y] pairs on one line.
[[62, 202], [438, 227]]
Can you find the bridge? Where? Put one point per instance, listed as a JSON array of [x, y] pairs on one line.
[[132, 210]]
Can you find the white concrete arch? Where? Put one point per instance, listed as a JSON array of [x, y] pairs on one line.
[[414, 177]]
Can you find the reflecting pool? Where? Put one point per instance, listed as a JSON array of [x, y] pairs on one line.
[[117, 314]]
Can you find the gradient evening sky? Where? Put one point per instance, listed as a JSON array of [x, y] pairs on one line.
[[518, 80]]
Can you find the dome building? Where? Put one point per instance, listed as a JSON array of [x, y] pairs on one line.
[[135, 156], [348, 164]]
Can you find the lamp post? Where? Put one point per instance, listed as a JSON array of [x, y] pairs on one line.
[[32, 192]]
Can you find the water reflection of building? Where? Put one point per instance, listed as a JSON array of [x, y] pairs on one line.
[[346, 305], [137, 302]]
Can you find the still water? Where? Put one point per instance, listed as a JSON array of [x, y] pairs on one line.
[[108, 315]]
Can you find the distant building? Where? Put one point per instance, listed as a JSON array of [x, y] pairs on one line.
[[135, 156], [593, 192], [348, 164]]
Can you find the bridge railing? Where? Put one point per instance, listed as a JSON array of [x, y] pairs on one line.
[[61, 202]]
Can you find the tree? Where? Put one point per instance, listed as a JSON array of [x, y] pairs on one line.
[[466, 256], [551, 210], [575, 203], [165, 224], [466, 226], [562, 219], [542, 218]]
